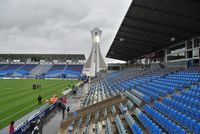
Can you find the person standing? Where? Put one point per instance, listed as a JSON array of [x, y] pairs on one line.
[[64, 99], [47, 102], [68, 110], [39, 99], [59, 104], [11, 127], [63, 110]]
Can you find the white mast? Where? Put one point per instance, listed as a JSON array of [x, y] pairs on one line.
[[95, 62]]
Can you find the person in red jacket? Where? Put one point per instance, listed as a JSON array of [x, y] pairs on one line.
[[64, 99], [11, 127]]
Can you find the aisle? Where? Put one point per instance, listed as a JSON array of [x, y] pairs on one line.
[[52, 125]]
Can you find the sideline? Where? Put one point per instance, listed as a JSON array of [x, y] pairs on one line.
[[17, 112]]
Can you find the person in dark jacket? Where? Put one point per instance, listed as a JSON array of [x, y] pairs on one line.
[[63, 110], [39, 99], [59, 104], [68, 110]]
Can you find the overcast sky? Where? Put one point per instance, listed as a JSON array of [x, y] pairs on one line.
[[58, 26]]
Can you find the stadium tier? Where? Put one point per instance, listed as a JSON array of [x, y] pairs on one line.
[[24, 70], [154, 101], [40, 71], [9, 69]]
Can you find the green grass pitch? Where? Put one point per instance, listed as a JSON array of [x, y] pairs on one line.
[[18, 95]]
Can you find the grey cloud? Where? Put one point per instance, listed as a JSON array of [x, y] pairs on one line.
[[25, 13], [58, 26]]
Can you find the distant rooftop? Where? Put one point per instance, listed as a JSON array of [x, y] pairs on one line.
[[47, 57]]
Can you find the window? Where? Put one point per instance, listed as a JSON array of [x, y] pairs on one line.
[[176, 49], [196, 42], [176, 56], [182, 54], [196, 53], [189, 54], [189, 44]]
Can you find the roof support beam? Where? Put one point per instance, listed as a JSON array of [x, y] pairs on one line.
[[145, 43], [149, 35], [127, 48], [132, 18], [165, 12], [118, 56], [121, 47], [142, 39], [167, 35], [130, 46], [124, 53]]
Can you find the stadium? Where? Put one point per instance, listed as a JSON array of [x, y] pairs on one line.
[[155, 90]]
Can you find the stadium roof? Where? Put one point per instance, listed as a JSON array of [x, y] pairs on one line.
[[44, 56], [152, 25]]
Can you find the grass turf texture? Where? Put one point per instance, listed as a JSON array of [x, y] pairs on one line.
[[17, 95]]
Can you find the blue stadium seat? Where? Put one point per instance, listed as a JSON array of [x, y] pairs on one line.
[[169, 126], [148, 123]]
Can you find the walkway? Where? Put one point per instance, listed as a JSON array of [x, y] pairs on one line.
[[74, 102]]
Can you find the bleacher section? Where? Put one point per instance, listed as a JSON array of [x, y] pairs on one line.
[[24, 70], [10, 69], [41, 71], [55, 71], [73, 71], [3, 66], [157, 101]]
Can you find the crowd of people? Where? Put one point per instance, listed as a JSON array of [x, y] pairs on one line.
[[36, 86], [61, 103]]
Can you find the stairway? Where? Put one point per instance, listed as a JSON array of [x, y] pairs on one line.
[[1, 68], [40, 69], [15, 72]]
